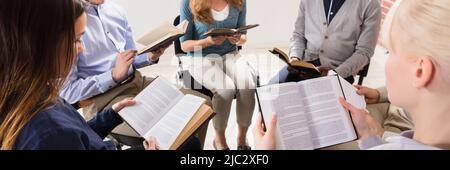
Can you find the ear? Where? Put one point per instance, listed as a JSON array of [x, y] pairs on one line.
[[424, 72]]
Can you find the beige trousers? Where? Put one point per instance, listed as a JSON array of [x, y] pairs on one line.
[[228, 77]]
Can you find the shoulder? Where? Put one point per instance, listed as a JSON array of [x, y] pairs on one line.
[[370, 4], [60, 114], [403, 143]]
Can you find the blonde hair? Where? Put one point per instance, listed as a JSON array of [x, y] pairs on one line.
[[425, 28], [201, 9]]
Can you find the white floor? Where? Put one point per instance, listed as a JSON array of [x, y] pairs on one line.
[[267, 67]]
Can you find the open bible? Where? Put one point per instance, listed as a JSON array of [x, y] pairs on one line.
[[305, 69], [309, 113], [161, 37], [228, 32], [165, 113]]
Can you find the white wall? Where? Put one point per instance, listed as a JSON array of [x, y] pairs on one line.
[[276, 17]]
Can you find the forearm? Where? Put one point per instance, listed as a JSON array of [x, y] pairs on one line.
[[105, 122], [297, 46], [80, 89], [298, 41], [194, 45], [144, 60], [353, 65]]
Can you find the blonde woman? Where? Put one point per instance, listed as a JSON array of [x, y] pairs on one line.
[[215, 62], [417, 34]]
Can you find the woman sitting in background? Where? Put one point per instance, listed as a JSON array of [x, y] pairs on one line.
[[216, 63], [417, 34]]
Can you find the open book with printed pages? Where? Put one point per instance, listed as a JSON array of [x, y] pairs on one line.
[[228, 32], [162, 37], [164, 112], [309, 113], [306, 69]]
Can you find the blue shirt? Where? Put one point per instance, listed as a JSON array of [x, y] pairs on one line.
[[61, 127], [108, 33], [196, 29]]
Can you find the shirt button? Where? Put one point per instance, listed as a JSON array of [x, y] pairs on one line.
[[321, 51], [325, 23], [326, 37]]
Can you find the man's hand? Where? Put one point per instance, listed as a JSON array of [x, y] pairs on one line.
[[155, 55], [293, 70], [324, 70], [372, 96], [294, 59], [122, 104], [365, 124], [123, 63]]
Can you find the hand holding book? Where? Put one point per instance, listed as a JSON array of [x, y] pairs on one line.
[[365, 124], [162, 37], [235, 39], [164, 112], [317, 121], [297, 66], [229, 32]]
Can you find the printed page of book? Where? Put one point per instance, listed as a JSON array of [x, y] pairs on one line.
[[351, 95], [283, 99], [170, 126], [151, 105], [328, 122]]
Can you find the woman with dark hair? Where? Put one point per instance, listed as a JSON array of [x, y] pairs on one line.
[[39, 40]]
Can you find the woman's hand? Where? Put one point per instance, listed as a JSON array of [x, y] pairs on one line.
[[235, 39], [122, 104], [365, 124], [217, 40], [265, 140], [372, 96], [151, 144]]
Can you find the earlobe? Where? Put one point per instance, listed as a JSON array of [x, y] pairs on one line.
[[424, 73]]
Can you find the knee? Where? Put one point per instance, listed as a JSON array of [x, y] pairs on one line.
[[225, 94], [247, 93]]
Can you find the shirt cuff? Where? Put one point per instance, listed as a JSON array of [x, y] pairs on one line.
[[114, 117], [370, 142], [106, 81], [383, 94], [294, 55], [342, 72], [143, 60]]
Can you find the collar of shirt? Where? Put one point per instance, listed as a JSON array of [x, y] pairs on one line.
[[332, 6]]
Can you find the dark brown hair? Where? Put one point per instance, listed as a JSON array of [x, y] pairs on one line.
[[36, 37]]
